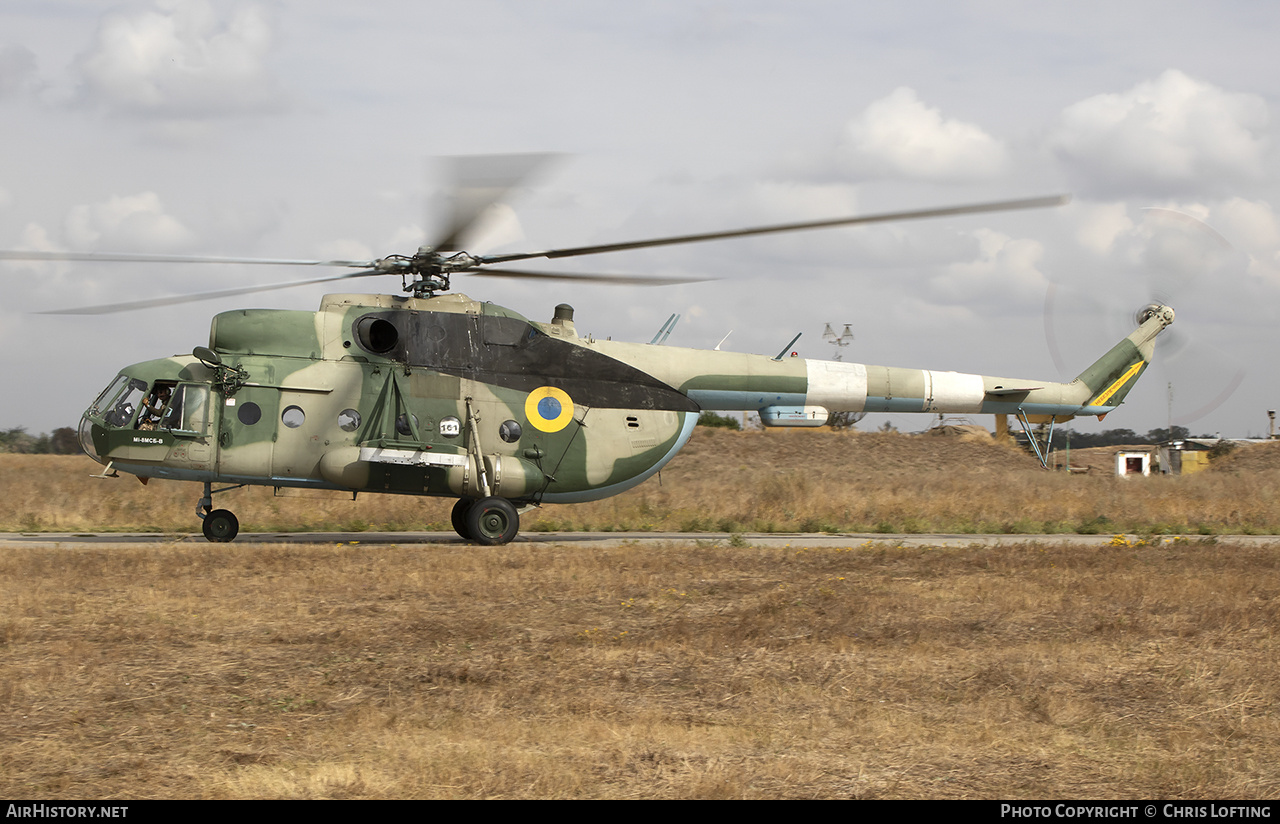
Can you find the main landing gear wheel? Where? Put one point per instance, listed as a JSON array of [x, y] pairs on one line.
[[492, 521], [459, 517], [221, 526]]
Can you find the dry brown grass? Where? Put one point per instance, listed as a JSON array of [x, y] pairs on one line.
[[690, 670], [727, 482]]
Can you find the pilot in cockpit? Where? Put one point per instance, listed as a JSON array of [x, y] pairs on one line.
[[153, 407]]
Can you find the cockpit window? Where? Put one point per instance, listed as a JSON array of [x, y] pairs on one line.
[[106, 400], [125, 405], [165, 405], [156, 405], [189, 409]]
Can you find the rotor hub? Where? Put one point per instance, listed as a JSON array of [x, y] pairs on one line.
[[1155, 310]]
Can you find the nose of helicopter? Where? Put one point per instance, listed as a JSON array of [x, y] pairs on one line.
[[85, 434]]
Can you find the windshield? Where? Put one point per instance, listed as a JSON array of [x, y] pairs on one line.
[[120, 407], [105, 400]]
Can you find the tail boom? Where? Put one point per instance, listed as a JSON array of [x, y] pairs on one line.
[[797, 392]]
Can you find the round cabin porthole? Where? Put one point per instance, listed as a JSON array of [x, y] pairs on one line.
[[348, 420], [403, 429], [293, 416], [249, 413], [509, 431]]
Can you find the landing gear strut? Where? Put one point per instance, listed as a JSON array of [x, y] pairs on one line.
[[220, 525]]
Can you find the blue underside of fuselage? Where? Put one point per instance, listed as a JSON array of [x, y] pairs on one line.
[[723, 400], [730, 401]]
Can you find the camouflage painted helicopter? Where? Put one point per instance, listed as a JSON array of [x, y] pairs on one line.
[[437, 394]]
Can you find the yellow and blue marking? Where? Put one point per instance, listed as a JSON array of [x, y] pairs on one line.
[[548, 408]]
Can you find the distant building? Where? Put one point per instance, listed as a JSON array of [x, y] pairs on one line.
[[1133, 462], [1181, 457]]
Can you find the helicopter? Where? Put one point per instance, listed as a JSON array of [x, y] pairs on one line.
[[433, 393]]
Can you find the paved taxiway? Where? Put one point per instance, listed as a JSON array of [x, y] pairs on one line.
[[607, 538]]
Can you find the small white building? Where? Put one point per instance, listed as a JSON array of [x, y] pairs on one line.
[[1133, 463]]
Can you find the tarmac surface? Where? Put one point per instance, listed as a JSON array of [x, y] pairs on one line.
[[86, 539]]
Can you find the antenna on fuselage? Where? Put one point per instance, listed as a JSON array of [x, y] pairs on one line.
[[665, 331], [783, 353]]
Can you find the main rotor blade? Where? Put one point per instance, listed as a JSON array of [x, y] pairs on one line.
[[1001, 206], [113, 257], [172, 300], [625, 280], [477, 182]]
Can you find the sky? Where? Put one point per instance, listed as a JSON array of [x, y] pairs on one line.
[[291, 129]]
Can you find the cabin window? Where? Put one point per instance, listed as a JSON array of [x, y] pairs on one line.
[[509, 431], [450, 427], [348, 420], [293, 416], [406, 425], [249, 413], [188, 411]]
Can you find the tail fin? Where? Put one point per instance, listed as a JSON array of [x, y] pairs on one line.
[[1111, 377]]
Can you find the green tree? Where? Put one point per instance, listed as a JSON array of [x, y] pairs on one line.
[[1175, 433], [16, 439], [719, 421], [63, 441]]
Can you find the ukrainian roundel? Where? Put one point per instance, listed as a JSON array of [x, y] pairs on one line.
[[548, 409]]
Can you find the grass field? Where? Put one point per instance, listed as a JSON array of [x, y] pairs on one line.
[[722, 482], [1127, 669], [680, 671]]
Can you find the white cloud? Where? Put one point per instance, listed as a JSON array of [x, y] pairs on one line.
[[899, 136], [495, 227], [17, 69], [44, 282], [1174, 134], [183, 58], [1100, 225], [35, 238], [1254, 228], [1006, 268], [131, 223], [405, 240], [1249, 224]]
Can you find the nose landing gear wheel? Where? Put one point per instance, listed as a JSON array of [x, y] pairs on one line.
[[221, 526], [492, 521]]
